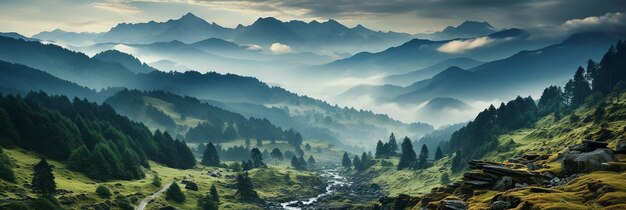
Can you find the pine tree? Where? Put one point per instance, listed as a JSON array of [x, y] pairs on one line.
[[6, 167], [408, 156], [457, 161], [577, 89], [156, 181], [247, 142], [210, 157], [295, 163], [206, 203], [174, 193], [8, 134], [311, 161], [380, 149], [43, 179], [357, 163], [392, 145], [438, 154], [302, 163], [213, 193], [592, 71], [365, 161], [245, 166], [257, 158], [423, 158], [277, 155], [245, 189], [346, 162], [259, 143], [307, 147]]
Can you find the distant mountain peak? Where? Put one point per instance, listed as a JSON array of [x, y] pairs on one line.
[[191, 18], [359, 26], [332, 21], [441, 103], [473, 24], [189, 15], [466, 29], [266, 20]]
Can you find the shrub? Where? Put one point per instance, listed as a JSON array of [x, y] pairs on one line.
[[123, 202], [174, 193], [103, 191]]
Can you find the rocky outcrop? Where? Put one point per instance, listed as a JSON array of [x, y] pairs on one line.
[[588, 146], [452, 205], [497, 176], [189, 185], [575, 161], [402, 201]]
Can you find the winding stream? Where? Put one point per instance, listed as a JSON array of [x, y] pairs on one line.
[[334, 179]]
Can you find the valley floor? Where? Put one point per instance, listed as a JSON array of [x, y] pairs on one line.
[[76, 191]]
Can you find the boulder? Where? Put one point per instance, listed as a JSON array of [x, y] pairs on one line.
[[191, 186], [500, 205], [621, 148], [594, 144], [452, 205], [505, 183], [478, 176], [477, 184], [585, 162]]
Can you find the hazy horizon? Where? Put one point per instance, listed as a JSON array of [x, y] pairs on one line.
[[33, 16]]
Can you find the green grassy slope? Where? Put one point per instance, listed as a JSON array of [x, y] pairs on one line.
[[80, 190]]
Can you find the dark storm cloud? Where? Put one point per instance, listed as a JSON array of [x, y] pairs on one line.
[[521, 12]]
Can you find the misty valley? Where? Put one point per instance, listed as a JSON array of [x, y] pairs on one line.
[[315, 105]]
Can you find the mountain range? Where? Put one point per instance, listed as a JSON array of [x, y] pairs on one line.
[[498, 79], [421, 53], [232, 91], [264, 32], [467, 29]]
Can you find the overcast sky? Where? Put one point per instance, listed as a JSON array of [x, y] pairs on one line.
[[413, 16]]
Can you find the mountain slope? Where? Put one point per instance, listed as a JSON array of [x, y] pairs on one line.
[[23, 79], [16, 36], [348, 124], [428, 72], [502, 78], [466, 29], [131, 63], [65, 64], [199, 122], [421, 53]]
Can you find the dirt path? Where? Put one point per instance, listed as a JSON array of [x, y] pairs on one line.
[[144, 202]]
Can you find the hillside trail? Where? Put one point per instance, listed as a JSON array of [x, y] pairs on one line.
[[144, 202]]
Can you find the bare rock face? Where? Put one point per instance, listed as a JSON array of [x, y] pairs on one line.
[[584, 162], [500, 205], [452, 205]]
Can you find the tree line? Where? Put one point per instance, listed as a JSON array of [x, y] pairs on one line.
[[587, 87], [91, 138], [219, 125]]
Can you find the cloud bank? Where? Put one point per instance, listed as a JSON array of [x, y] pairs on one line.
[[279, 48], [459, 46]]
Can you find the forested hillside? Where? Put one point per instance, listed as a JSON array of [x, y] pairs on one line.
[[195, 120], [563, 152], [92, 138]]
